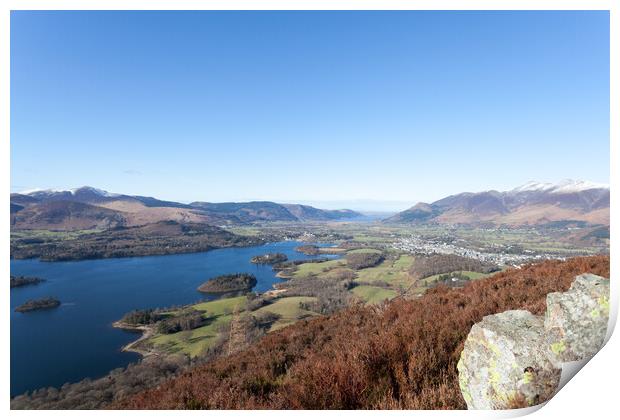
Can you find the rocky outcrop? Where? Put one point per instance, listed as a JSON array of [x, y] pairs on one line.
[[515, 358], [576, 321], [504, 357]]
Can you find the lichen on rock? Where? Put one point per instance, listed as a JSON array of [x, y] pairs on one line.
[[517, 356], [576, 321], [504, 359]]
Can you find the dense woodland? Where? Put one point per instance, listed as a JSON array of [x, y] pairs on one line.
[[160, 238], [402, 354], [358, 261], [187, 319], [228, 283], [426, 266], [455, 279], [141, 317]]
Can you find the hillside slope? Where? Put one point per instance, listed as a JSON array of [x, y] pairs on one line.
[[247, 212], [65, 215], [400, 355], [530, 204], [303, 212], [89, 208]]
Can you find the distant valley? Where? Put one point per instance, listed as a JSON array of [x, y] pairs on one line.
[[89, 223]]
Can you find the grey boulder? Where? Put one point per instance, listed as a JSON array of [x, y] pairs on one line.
[[576, 321], [514, 359], [505, 361]]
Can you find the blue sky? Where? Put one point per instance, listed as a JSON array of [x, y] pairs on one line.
[[326, 108]]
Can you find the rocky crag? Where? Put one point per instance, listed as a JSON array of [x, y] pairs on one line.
[[514, 359]]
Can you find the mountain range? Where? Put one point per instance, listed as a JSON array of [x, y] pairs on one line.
[[92, 208], [534, 203], [530, 204]]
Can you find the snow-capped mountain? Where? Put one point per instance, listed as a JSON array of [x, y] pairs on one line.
[[532, 203], [74, 192], [563, 187]]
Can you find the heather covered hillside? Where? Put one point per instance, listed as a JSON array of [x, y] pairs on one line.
[[402, 354]]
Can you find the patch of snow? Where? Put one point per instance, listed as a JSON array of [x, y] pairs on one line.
[[40, 191], [30, 191], [73, 191], [568, 186], [97, 191], [563, 187], [534, 186]]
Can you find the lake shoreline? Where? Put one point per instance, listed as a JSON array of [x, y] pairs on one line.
[[147, 332], [145, 255], [131, 283]]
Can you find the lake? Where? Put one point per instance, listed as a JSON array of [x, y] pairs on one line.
[[77, 340]]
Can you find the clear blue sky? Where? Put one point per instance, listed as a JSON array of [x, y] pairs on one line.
[[308, 106]]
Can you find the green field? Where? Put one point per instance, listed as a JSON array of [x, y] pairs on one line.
[[218, 314], [375, 283], [244, 231], [193, 342], [364, 251], [221, 306], [196, 341], [288, 309], [373, 295], [368, 238], [394, 272], [313, 269]]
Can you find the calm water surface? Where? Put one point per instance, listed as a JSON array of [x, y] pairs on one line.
[[76, 340]]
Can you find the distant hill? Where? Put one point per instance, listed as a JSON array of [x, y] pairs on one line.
[[247, 212], [530, 204], [91, 208], [302, 212], [66, 215], [22, 200], [421, 212]]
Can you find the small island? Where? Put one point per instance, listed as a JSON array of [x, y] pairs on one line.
[[38, 304], [19, 281], [269, 258], [228, 283]]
